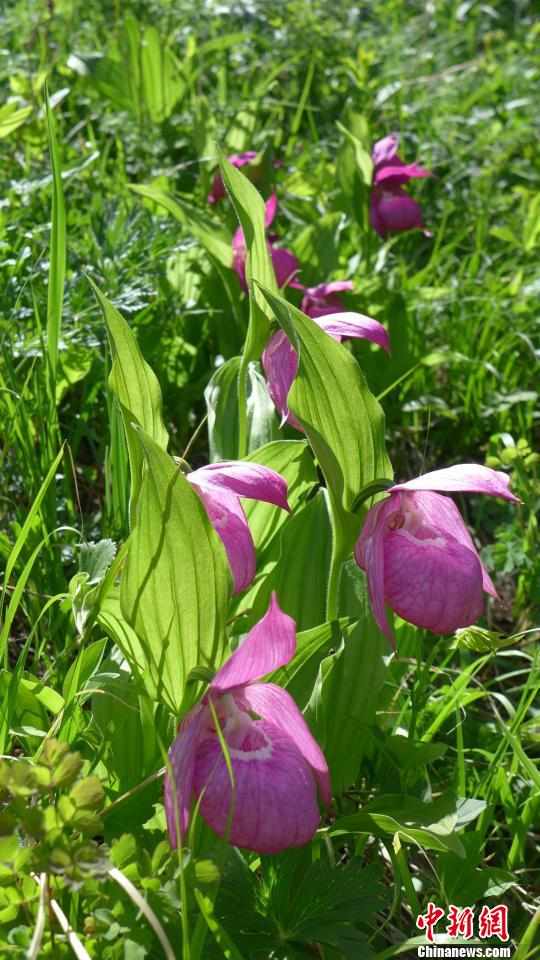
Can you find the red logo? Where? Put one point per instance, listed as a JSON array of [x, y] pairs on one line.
[[492, 922]]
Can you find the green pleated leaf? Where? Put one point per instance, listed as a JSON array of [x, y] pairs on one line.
[[342, 420], [344, 701], [136, 388], [221, 397], [249, 207], [300, 674], [211, 235], [300, 558], [294, 461], [176, 582]]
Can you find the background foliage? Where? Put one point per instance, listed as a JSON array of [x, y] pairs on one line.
[[439, 791]]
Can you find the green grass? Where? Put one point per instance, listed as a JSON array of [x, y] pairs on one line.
[[140, 94]]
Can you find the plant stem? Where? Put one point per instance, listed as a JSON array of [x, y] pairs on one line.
[[242, 408], [336, 563]]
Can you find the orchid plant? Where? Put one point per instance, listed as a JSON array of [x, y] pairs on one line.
[[206, 592]]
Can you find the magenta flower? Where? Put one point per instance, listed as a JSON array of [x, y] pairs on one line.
[[220, 485], [285, 263], [392, 210], [277, 765], [419, 557], [217, 191], [280, 360], [322, 299]]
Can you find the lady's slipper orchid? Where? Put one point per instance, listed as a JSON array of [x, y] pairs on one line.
[[392, 210], [217, 191], [284, 262], [419, 557], [220, 486], [322, 299], [280, 360], [276, 763]]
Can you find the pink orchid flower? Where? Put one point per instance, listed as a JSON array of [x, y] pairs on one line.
[[322, 299], [285, 263], [220, 485], [392, 210], [419, 557], [217, 191], [277, 765], [280, 360]]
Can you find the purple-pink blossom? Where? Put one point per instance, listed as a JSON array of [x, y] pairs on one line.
[[220, 486], [392, 209], [323, 298], [217, 191], [280, 360], [285, 264], [419, 557], [278, 767]]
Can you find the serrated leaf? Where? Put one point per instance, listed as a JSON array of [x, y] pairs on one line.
[[96, 558], [176, 581]]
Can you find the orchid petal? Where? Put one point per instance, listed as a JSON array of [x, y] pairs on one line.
[[323, 299], [270, 644], [274, 704], [399, 173], [385, 149], [217, 191], [370, 556], [250, 480], [182, 756], [393, 211], [280, 364], [463, 478], [434, 582], [354, 326], [229, 521], [285, 264], [270, 209], [274, 804]]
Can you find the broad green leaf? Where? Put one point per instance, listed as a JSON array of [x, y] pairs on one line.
[[50, 699], [344, 701], [11, 118], [96, 558], [299, 676], [136, 388], [82, 668], [162, 83], [342, 420], [111, 618], [362, 156], [176, 582], [221, 396], [249, 207], [132, 379], [293, 460], [119, 710], [211, 235], [299, 574]]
